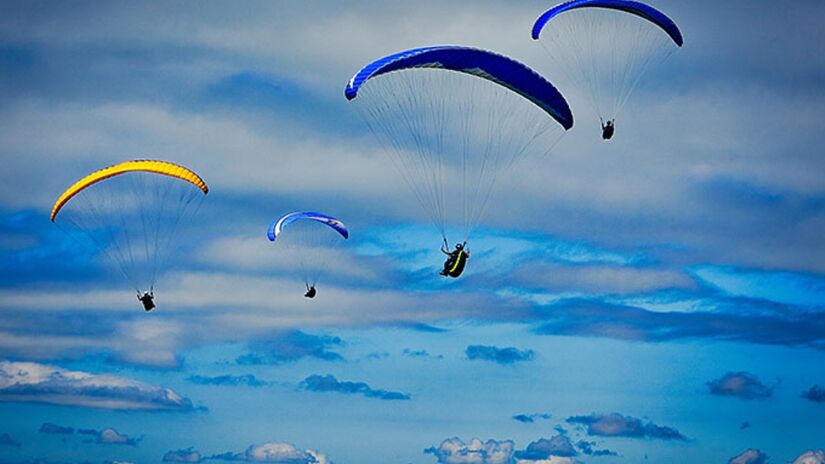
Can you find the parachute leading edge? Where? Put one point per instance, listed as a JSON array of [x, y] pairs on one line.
[[278, 225], [480, 63], [637, 8], [158, 167]]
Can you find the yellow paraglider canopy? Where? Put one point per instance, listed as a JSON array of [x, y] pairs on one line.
[[155, 166]]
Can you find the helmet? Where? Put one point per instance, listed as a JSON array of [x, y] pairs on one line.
[[459, 246]]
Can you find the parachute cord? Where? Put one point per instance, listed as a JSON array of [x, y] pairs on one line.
[[451, 145]]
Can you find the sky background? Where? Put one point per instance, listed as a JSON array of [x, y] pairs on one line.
[[660, 298]]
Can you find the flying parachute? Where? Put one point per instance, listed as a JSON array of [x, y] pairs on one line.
[[456, 120], [606, 46], [307, 239], [132, 212]]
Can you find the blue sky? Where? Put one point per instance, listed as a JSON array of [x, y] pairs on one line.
[[660, 298]]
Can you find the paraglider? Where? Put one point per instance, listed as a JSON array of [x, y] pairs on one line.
[[457, 119], [310, 292], [310, 239], [456, 260], [607, 45], [132, 212], [607, 130], [148, 300]]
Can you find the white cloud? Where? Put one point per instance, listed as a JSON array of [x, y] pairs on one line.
[[602, 279], [278, 453], [550, 460], [455, 451], [33, 382], [811, 457]]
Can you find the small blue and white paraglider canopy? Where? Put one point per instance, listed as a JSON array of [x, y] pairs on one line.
[[280, 224]]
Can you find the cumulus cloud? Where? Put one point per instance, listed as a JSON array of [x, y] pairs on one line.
[[815, 394], [531, 418], [617, 425], [455, 451], [740, 384], [328, 383], [750, 456], [109, 436], [543, 448], [25, 381], [503, 356], [248, 380], [54, 429], [7, 440], [182, 455], [282, 453], [811, 457]]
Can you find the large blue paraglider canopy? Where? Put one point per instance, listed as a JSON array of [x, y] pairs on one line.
[[481, 63], [278, 225], [637, 8]]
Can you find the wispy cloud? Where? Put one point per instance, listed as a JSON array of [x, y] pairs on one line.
[[33, 382], [248, 380], [741, 385], [503, 356], [292, 346], [531, 418], [328, 383], [54, 429], [754, 321], [420, 354], [617, 425]]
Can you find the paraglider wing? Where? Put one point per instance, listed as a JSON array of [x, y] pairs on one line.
[[278, 225], [311, 238], [637, 8], [132, 212], [158, 167], [481, 63]]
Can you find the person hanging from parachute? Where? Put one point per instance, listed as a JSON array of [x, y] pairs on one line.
[[132, 212], [606, 46], [308, 242], [148, 300], [310, 292], [607, 129], [456, 259], [451, 113]]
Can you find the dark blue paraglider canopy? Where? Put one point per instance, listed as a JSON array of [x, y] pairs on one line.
[[637, 8], [481, 63]]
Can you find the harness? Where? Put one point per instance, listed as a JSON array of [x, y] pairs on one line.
[[458, 266]]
